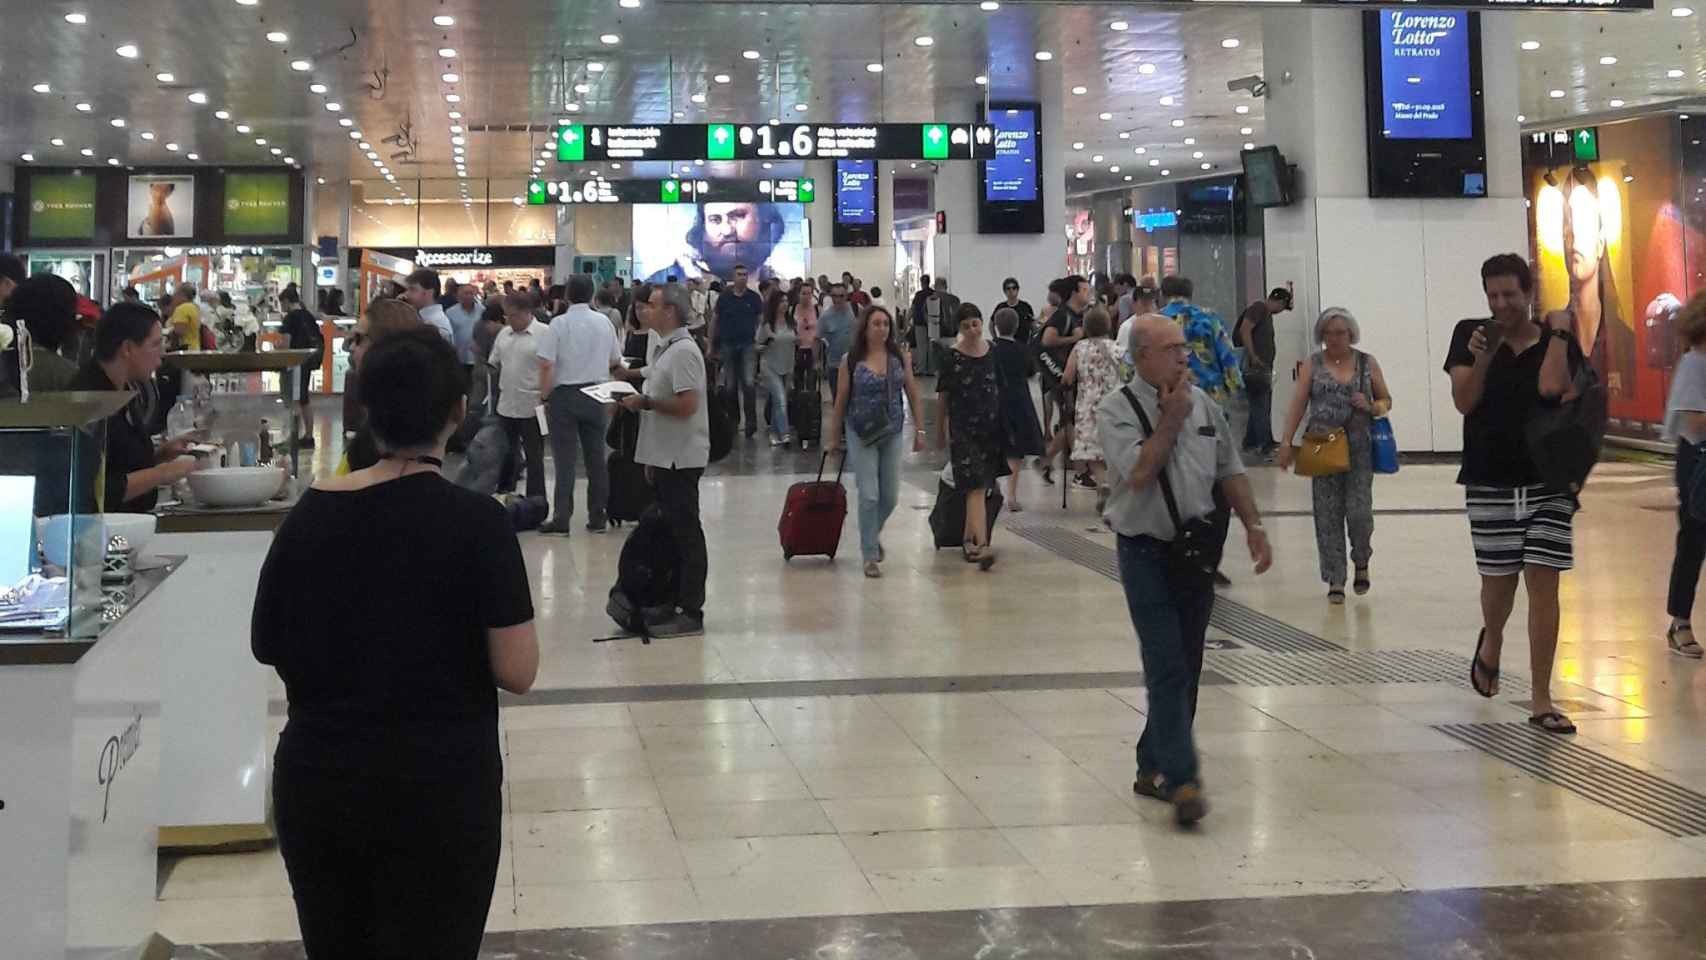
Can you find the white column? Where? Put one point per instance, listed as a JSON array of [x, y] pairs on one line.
[[1408, 269]]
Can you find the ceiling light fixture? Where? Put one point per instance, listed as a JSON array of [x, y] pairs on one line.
[[1246, 131], [1231, 43], [454, 114], [1615, 103], [87, 151], [750, 54], [301, 66], [458, 141], [1127, 178], [595, 67], [610, 39], [127, 51], [719, 78], [1249, 146], [989, 6], [222, 114], [697, 98], [1140, 151], [1680, 12], [1044, 55], [1208, 166], [1178, 123], [198, 98], [58, 141], [1125, 134], [1190, 141], [1119, 26], [980, 80], [172, 147], [192, 156], [873, 68], [1166, 173], [1167, 101], [444, 20], [276, 151], [1531, 45], [1079, 175], [801, 107], [76, 19], [243, 128], [1098, 158], [923, 41], [147, 135], [85, 107], [1674, 74], [278, 36], [1241, 109], [364, 145], [451, 78], [1080, 91], [260, 141], [42, 88], [334, 106], [1146, 68], [628, 4], [117, 122], [1078, 145], [452, 98], [1113, 168], [319, 88], [1607, 61], [27, 157], [112, 161], [1104, 115], [1556, 94], [1197, 155], [165, 77]]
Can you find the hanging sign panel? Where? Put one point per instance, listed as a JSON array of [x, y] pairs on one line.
[[579, 142]]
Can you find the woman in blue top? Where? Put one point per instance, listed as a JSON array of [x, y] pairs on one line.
[[868, 391], [1685, 420]]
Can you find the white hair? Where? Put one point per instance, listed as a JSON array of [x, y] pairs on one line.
[[1337, 313]]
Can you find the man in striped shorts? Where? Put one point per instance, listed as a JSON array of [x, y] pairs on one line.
[[1504, 371]]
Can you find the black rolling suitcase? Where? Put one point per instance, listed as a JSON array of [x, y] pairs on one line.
[[630, 494]]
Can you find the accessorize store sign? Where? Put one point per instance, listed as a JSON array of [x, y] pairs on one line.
[[257, 204], [62, 207]]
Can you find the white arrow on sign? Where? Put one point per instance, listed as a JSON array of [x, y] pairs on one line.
[[935, 133], [722, 134], [1583, 136]]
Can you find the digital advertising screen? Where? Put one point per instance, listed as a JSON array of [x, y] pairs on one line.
[[1424, 74], [708, 240], [1009, 183], [855, 203]]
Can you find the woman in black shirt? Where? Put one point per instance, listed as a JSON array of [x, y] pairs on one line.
[[387, 781]]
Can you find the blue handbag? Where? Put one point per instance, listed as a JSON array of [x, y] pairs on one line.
[[1384, 447]]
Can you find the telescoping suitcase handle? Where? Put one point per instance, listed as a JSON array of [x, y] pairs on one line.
[[840, 465]]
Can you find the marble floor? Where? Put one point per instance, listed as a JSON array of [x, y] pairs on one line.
[[942, 758]]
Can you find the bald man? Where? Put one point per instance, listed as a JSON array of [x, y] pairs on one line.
[[1168, 448]]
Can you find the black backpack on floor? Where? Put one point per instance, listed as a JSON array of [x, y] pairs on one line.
[[648, 576]]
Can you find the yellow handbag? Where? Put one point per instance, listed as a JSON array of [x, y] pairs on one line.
[[1324, 454]]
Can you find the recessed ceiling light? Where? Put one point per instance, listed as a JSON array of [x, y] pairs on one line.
[[1190, 141], [1531, 44], [192, 156], [1607, 61], [301, 66], [610, 39], [980, 80], [319, 88], [260, 141], [801, 107], [1178, 123], [1079, 175], [1127, 178], [444, 20], [58, 141], [583, 88], [451, 78], [77, 18], [1197, 155], [1146, 68], [454, 114], [1080, 91], [147, 135], [1167, 101], [27, 157], [1674, 74], [198, 98], [1556, 94], [1104, 115], [1682, 11], [697, 98], [1616, 103], [1044, 55], [750, 54], [1241, 109], [1231, 43], [87, 151], [628, 4], [1249, 146], [127, 51], [453, 98], [1113, 168], [1119, 26], [278, 36], [1521, 119], [355, 134], [572, 107], [1098, 158], [679, 115], [42, 88], [172, 147], [873, 68], [112, 161], [247, 3], [85, 107], [290, 160], [923, 41], [458, 141], [165, 78], [276, 151], [1078, 145], [222, 114], [1166, 173], [1140, 151], [334, 106], [117, 122], [719, 78], [766, 164], [1246, 131], [989, 6], [1208, 166], [243, 128]]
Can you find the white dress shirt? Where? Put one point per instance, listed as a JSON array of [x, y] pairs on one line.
[[580, 346], [516, 355]]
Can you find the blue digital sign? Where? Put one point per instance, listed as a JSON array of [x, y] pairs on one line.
[[855, 191], [1424, 75], [1012, 175], [1150, 221]]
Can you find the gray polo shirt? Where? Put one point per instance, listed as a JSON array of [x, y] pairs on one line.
[[676, 366], [1203, 454]]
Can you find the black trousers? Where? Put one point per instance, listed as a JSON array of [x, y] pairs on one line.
[[387, 869], [678, 497], [523, 433], [1690, 539]]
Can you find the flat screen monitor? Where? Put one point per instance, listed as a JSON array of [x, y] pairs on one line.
[[855, 203], [1010, 184], [1267, 177], [709, 240], [1426, 129]]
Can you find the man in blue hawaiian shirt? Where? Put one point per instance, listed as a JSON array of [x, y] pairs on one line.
[[1214, 366]]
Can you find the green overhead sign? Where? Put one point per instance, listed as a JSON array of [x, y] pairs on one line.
[[1585, 144], [62, 207], [257, 204]]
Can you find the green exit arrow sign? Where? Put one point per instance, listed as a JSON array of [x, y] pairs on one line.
[[935, 146], [535, 192], [571, 143], [1584, 144], [808, 191], [669, 191], [720, 141]]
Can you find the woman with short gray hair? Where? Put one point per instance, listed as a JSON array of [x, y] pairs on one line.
[[1342, 388]]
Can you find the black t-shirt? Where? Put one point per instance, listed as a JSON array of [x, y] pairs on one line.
[[129, 448], [303, 328], [1027, 319], [394, 679], [1495, 441], [1261, 322], [1065, 324]]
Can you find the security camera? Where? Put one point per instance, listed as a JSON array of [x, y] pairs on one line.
[[1253, 84]]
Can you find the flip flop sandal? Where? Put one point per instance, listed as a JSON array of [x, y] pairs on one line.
[[1688, 647], [1553, 722], [1478, 669]]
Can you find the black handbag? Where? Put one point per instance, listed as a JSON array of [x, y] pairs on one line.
[[1196, 550], [1565, 440]]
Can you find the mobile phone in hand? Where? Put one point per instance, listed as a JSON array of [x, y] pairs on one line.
[[1494, 332]]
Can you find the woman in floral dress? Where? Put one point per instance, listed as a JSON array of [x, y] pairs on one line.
[[968, 422], [1094, 368]]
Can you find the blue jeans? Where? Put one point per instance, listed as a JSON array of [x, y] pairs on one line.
[[1171, 619], [778, 390], [740, 367], [877, 470]]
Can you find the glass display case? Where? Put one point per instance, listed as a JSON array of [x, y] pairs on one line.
[[52, 537]]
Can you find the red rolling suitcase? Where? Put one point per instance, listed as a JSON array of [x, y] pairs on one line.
[[813, 515]]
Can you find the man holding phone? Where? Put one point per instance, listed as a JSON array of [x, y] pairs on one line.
[[1504, 372]]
